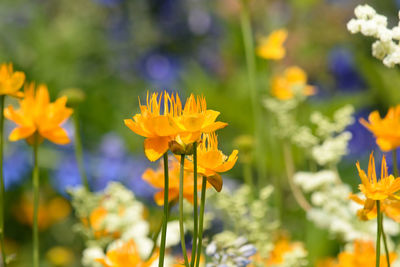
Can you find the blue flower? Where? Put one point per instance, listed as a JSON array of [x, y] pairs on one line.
[[16, 166]]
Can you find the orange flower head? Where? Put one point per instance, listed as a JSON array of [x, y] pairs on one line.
[[282, 246], [126, 255], [362, 255], [391, 207], [156, 123], [271, 47], [374, 189], [285, 87], [156, 179], [197, 119], [211, 161], [10, 81], [386, 130], [38, 115]]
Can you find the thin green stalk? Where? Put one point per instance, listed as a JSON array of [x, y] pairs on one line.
[[201, 220], [166, 212], [35, 178], [78, 151], [289, 165], [251, 71], [395, 169], [378, 235], [195, 207], [182, 231], [384, 241], [2, 191]]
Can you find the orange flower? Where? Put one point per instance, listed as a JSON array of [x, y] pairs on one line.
[[293, 80], [156, 179], [391, 207], [126, 255], [37, 115], [158, 126], [271, 47], [386, 130], [10, 81], [196, 119], [212, 161], [49, 212], [96, 219], [282, 246], [362, 255], [374, 189]]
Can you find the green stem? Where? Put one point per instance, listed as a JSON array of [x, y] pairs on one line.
[[35, 178], [384, 241], [2, 191], [195, 207], [166, 212], [201, 220], [78, 150], [182, 231], [378, 235], [395, 169], [251, 72], [289, 165]]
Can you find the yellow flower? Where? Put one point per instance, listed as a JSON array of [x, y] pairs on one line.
[[60, 256], [10, 81], [386, 130], [211, 161], [157, 125], [293, 81], [391, 207], [126, 255], [197, 119], [156, 179], [374, 189], [271, 47], [362, 255], [38, 115], [282, 246]]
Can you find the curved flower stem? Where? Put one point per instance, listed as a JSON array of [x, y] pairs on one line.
[[378, 235], [182, 231], [195, 207], [78, 150], [384, 241], [201, 220], [248, 42], [166, 213], [289, 165], [35, 178], [395, 168], [2, 191]]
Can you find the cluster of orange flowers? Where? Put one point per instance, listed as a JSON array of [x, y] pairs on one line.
[[363, 254], [167, 125]]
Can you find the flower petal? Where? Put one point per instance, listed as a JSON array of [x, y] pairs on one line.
[[154, 148], [21, 133], [57, 135]]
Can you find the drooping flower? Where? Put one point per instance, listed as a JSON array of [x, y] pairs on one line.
[[271, 47], [10, 81], [391, 207], [195, 120], [38, 115], [292, 82], [363, 254], [156, 179], [211, 161], [127, 254], [374, 189], [156, 123], [386, 130]]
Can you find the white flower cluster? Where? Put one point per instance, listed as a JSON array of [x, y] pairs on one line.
[[123, 218], [370, 23], [248, 216], [332, 210]]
